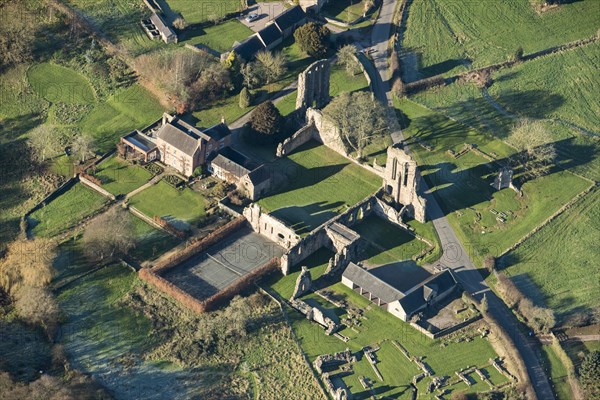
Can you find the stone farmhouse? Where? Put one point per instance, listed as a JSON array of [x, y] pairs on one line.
[[253, 180], [282, 27], [402, 304], [177, 143]]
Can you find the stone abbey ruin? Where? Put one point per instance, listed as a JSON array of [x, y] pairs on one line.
[[280, 246]]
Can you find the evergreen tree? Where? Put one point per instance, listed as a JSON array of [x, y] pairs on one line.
[[245, 98]]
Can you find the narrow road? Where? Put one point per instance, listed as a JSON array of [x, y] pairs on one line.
[[455, 255]]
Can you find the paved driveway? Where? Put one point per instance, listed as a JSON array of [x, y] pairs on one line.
[[266, 11]]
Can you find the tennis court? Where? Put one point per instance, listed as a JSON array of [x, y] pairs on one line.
[[223, 263]]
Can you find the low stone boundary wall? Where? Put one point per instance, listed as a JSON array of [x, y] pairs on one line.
[[146, 219], [60, 190], [198, 246], [224, 206], [447, 331], [170, 289], [97, 188]]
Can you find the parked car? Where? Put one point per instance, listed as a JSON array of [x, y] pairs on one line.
[[252, 17]]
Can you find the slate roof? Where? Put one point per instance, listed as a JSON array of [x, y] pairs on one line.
[[290, 17], [161, 25], [249, 47], [231, 161], [416, 297], [218, 131], [372, 284], [141, 141], [259, 175], [186, 142], [270, 34]]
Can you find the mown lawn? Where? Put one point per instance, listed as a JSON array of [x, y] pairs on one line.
[[180, 207], [195, 11], [462, 185], [65, 211], [149, 241], [558, 275], [56, 83], [120, 177], [386, 242], [218, 37], [451, 36], [321, 184]]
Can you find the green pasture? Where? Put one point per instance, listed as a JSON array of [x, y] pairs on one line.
[[56, 83], [218, 37], [453, 36], [196, 11], [66, 210]]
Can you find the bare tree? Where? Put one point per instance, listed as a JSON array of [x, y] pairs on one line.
[[535, 142], [82, 147], [27, 263], [359, 118], [274, 64], [347, 57], [109, 235], [180, 23], [37, 306], [45, 141]]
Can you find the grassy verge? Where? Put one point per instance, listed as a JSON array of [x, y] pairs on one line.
[[557, 373]]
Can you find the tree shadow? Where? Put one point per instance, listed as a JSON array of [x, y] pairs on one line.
[[443, 67]]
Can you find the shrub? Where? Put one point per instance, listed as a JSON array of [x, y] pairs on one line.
[[589, 375], [312, 39], [509, 291], [266, 121], [180, 23], [245, 98], [27, 263], [37, 306]]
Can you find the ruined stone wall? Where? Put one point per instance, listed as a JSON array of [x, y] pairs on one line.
[[313, 85], [300, 137], [270, 227], [325, 131], [401, 182]]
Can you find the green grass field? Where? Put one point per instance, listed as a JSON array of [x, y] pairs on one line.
[[386, 242], [218, 37], [195, 11], [530, 90], [150, 242], [452, 36], [462, 185], [129, 109], [322, 184], [181, 208], [344, 10], [120, 177], [57, 84], [538, 265], [65, 211], [120, 21]]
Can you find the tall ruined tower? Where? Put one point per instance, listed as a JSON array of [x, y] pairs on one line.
[[313, 85], [401, 182]]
